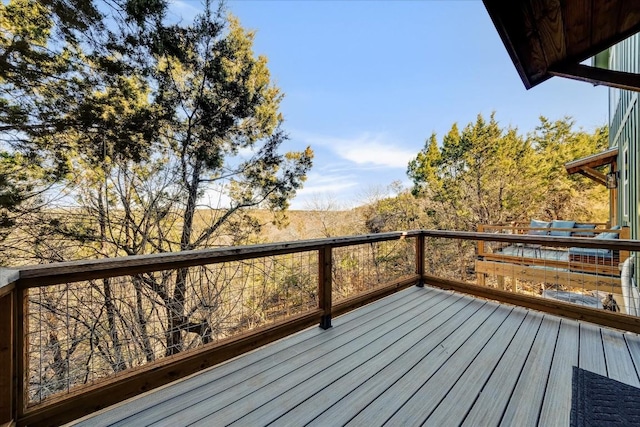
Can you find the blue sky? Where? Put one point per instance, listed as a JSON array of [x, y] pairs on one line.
[[367, 82]]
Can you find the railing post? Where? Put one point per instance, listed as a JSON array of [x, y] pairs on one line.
[[480, 277], [7, 400], [8, 373], [324, 285], [420, 259], [21, 361]]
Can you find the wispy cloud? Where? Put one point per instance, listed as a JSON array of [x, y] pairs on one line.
[[364, 149], [184, 9], [323, 184]]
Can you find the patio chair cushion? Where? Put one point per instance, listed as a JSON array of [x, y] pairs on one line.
[[596, 252], [609, 235], [538, 224], [584, 233], [561, 224]]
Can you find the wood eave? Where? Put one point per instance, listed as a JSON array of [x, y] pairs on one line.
[[552, 38], [593, 161]]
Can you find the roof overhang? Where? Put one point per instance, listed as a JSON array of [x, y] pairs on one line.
[[587, 165], [552, 37]]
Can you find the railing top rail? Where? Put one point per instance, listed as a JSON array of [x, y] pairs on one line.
[[65, 272]]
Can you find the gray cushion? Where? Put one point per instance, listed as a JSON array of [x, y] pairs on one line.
[[538, 224], [607, 235], [601, 253], [584, 233], [561, 224]]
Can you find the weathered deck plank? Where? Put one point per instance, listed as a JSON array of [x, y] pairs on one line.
[[420, 356], [619, 363], [379, 381], [468, 386], [525, 402], [374, 356], [556, 407], [154, 405], [591, 356], [474, 332], [488, 408], [245, 396]]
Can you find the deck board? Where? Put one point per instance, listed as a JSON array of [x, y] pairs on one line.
[[358, 399], [468, 386], [302, 385], [470, 379], [249, 366], [591, 353], [619, 363], [420, 356], [244, 396], [489, 406], [448, 361], [307, 401], [556, 407], [526, 399]]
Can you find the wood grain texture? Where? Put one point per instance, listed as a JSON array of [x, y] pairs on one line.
[[577, 26], [551, 30], [395, 397], [7, 361], [422, 354], [152, 406], [540, 34], [89, 399], [559, 308], [526, 400], [490, 403], [556, 407], [604, 20]]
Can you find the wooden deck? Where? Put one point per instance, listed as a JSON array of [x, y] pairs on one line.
[[421, 356]]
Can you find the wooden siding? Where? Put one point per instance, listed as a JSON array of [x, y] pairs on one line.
[[419, 355]]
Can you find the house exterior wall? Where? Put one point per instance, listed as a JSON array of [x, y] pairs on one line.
[[624, 133]]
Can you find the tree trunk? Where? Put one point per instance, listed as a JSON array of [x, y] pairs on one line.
[[119, 363], [142, 322], [176, 306]]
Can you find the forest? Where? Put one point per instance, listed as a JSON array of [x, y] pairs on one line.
[[125, 134]]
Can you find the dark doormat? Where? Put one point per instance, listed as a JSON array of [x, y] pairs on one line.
[[601, 401]]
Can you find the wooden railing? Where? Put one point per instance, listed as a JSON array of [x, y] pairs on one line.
[[373, 265], [586, 268], [376, 265]]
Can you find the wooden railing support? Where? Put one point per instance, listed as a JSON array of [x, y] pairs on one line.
[[14, 305], [324, 284], [420, 260], [7, 359], [21, 361], [9, 377]]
